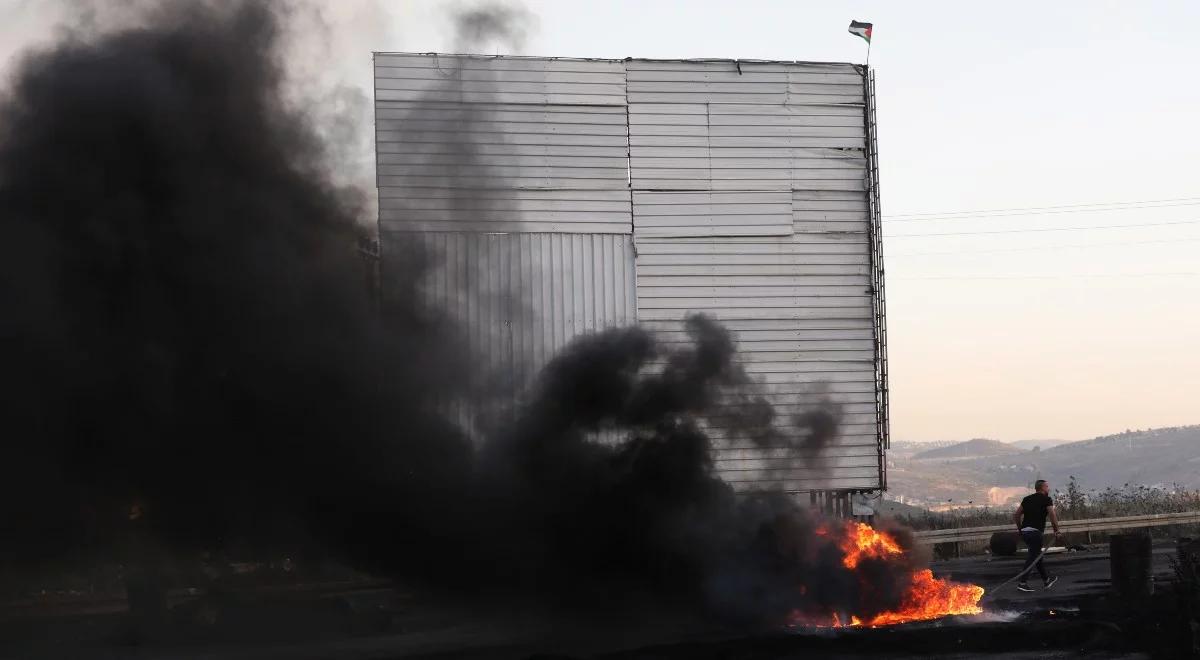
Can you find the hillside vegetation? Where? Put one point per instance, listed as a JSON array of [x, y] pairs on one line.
[[1036, 444], [1156, 457], [1073, 502], [951, 476], [978, 447]]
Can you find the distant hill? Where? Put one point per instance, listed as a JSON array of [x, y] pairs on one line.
[[1037, 444], [1155, 457], [953, 475], [906, 449], [970, 449]]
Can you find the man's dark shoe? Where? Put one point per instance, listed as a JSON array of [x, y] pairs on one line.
[[1023, 587], [1050, 582]]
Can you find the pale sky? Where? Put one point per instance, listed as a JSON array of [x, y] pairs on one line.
[[1027, 334]]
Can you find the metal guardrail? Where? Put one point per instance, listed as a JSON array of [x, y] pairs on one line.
[[932, 536]]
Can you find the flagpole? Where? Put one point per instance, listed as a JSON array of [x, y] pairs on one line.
[[863, 31]]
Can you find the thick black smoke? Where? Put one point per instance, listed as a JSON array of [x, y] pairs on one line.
[[185, 320], [647, 515], [185, 327]]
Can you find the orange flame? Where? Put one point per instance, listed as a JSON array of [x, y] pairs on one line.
[[926, 598], [862, 541], [930, 598]]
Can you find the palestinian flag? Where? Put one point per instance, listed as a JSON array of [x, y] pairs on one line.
[[861, 29]]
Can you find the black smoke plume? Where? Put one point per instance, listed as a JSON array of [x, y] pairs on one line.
[[185, 320], [647, 515], [185, 328]]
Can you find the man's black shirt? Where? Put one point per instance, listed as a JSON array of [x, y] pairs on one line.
[[1034, 509]]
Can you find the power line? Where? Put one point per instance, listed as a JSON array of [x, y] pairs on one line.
[[1046, 277], [1045, 210], [1040, 247], [965, 216], [1045, 229]]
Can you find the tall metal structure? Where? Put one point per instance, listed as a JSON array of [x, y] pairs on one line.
[[563, 196]]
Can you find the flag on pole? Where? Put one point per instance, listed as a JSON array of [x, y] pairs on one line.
[[861, 29]]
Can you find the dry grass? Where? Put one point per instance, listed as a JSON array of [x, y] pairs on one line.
[[1075, 504]]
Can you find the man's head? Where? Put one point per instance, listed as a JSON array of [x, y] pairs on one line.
[[1042, 486]]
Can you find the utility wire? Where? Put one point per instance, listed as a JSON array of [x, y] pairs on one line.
[[1041, 247], [1045, 210], [1042, 210], [1044, 229], [940, 218], [1046, 277]]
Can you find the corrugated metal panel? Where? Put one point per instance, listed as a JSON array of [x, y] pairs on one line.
[[725, 125], [412, 77], [505, 210], [680, 214], [749, 202], [728, 81], [501, 144], [796, 291], [819, 211], [521, 297]]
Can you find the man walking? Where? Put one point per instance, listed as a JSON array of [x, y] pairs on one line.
[[1031, 523]]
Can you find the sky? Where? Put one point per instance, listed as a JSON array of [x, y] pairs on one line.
[[1020, 324]]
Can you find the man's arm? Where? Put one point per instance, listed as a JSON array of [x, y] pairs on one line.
[[1017, 518], [1053, 518]]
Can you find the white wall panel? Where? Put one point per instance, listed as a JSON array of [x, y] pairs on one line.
[[721, 125], [477, 79], [798, 299], [520, 297], [681, 214], [480, 144], [505, 210], [738, 189]]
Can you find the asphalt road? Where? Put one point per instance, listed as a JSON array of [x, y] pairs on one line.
[[1081, 575], [344, 624]]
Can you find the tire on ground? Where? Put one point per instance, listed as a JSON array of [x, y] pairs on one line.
[[1004, 544]]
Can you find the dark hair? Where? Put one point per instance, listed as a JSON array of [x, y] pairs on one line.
[[1037, 485]]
